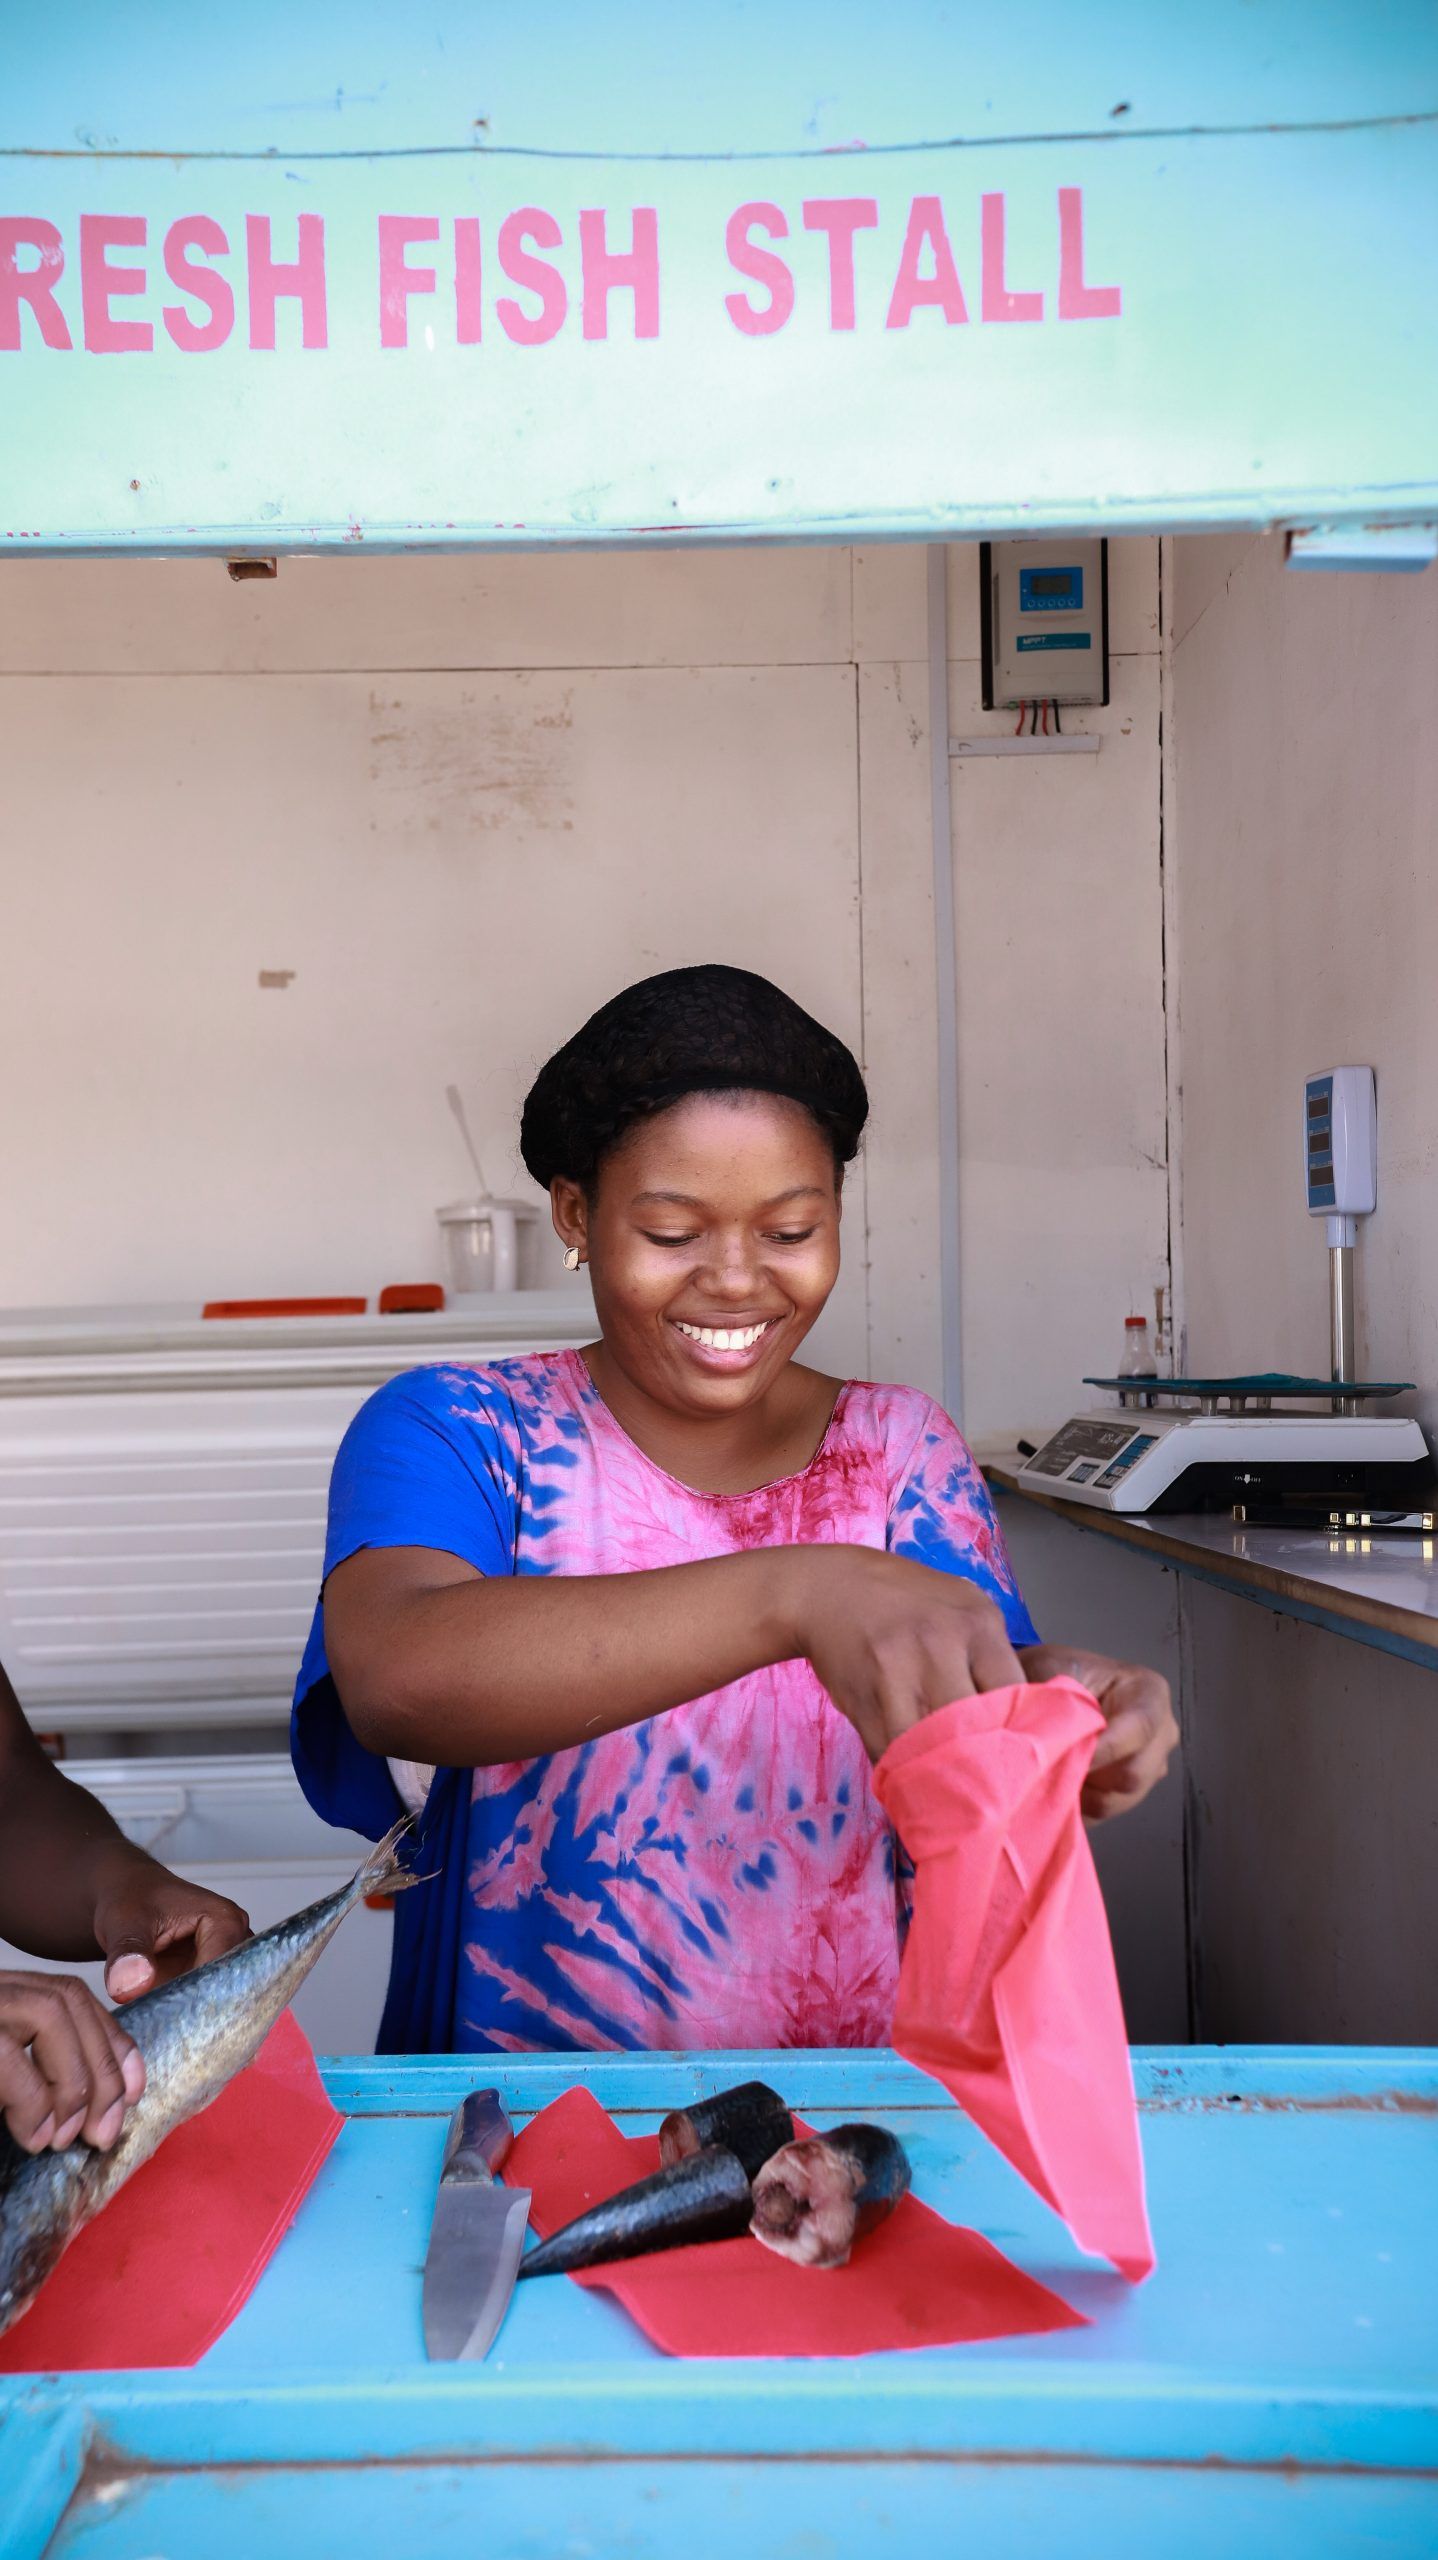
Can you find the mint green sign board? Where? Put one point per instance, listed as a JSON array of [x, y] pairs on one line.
[[279, 279]]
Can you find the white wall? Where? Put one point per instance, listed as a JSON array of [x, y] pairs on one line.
[[1059, 925], [1305, 763], [461, 801], [1306, 774], [1059, 917]]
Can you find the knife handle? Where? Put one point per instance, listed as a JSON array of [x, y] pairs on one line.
[[478, 2141]]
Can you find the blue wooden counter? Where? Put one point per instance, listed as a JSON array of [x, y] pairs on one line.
[[1274, 2388]]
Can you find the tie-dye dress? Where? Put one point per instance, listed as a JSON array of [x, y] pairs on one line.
[[717, 1876]]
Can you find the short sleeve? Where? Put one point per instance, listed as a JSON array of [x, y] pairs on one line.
[[429, 1461], [942, 1514], [432, 1460]]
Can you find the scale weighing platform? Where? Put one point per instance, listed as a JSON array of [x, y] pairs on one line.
[[1210, 1444]]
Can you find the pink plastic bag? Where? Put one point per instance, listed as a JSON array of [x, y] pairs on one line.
[[1007, 1992]]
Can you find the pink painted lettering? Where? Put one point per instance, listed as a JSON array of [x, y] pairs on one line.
[[914, 291], [300, 280], [100, 282], [1077, 300], [32, 283], [397, 281], [534, 275], [761, 265], [998, 302], [605, 269], [468, 276], [841, 217], [188, 242]]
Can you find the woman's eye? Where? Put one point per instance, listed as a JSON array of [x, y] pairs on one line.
[[653, 1239], [793, 1235]]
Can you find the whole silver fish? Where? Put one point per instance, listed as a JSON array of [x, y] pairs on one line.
[[195, 2034]]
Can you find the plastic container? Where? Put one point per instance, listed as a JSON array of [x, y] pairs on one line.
[[491, 1246]]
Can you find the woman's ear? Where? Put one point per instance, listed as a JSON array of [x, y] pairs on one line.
[[570, 1212]]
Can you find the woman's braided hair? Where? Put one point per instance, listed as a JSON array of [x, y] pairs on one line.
[[704, 1030]]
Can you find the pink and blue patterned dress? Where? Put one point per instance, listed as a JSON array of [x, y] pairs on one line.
[[718, 1876]]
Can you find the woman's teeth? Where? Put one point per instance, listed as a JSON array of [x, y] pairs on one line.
[[735, 1338]]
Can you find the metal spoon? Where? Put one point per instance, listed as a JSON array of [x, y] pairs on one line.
[[452, 1097]]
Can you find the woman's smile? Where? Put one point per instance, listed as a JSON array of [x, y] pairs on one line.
[[727, 1346]]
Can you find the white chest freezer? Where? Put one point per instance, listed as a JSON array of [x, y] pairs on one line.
[[163, 1482], [162, 1493]]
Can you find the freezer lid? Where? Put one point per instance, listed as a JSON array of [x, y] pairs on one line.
[[98, 1346]]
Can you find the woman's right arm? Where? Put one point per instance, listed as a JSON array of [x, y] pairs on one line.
[[436, 1662]]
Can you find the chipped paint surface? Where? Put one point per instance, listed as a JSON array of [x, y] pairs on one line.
[[1273, 2389], [549, 281]]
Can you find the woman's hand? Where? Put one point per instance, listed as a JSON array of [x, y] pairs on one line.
[[66, 2066], [1142, 1731], [150, 1925], [892, 1640]]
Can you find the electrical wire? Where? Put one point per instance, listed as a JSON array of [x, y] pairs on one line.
[[1058, 724], [1019, 723], [1046, 719]]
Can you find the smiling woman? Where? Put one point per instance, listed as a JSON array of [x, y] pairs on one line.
[[639, 1618]]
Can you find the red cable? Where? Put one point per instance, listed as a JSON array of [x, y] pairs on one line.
[[1019, 724]]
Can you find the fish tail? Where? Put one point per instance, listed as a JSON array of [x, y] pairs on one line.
[[384, 1870]]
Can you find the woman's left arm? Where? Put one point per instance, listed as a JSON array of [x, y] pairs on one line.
[[943, 1513], [72, 1886]]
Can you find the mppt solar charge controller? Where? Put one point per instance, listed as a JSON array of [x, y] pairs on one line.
[[1044, 615]]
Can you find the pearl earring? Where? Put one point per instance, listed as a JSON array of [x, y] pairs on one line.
[[571, 1257]]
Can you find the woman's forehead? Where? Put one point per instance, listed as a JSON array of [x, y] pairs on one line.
[[719, 1143]]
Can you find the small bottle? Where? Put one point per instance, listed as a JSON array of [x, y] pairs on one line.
[[1138, 1360]]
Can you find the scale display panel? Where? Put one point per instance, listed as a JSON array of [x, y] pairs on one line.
[[1086, 1441]]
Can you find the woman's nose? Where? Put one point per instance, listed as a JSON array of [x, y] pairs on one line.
[[732, 1269]]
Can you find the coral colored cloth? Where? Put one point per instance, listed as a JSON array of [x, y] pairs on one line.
[[1008, 1993], [159, 2275], [917, 2281], [718, 1876]]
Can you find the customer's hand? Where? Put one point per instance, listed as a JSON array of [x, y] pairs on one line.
[[151, 1925], [66, 2066], [1141, 1734]]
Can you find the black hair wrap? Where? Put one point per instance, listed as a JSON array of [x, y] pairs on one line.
[[704, 1030]]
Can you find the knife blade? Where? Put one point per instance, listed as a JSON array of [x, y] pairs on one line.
[[477, 2235]]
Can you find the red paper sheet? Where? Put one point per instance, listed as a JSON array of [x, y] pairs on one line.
[[1007, 1992], [160, 2274], [917, 2281]]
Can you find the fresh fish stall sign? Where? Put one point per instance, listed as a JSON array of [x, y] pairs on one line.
[[1157, 268]]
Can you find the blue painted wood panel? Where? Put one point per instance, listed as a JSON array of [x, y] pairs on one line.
[[1289, 2331], [772, 2511]]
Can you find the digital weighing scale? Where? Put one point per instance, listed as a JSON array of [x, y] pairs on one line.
[[1208, 1444], [1218, 1444]]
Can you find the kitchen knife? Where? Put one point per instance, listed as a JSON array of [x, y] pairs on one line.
[[477, 2236]]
